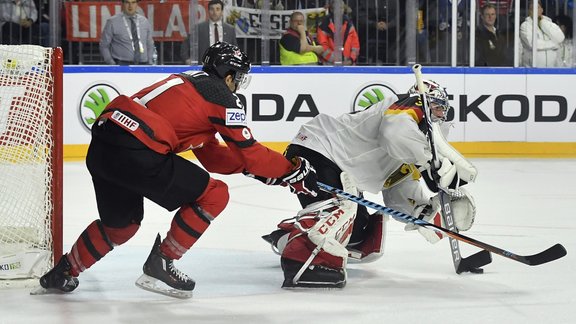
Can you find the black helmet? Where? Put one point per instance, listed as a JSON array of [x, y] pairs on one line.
[[222, 58]]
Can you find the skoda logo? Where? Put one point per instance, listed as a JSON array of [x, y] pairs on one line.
[[93, 102], [370, 94]]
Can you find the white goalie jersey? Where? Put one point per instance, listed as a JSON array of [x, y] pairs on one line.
[[369, 145], [380, 148]]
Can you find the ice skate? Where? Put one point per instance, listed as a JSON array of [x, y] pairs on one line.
[[161, 276], [57, 280], [314, 276]]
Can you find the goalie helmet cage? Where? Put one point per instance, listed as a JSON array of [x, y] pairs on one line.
[[30, 161]]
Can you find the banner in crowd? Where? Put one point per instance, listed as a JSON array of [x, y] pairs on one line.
[[248, 22], [170, 19]]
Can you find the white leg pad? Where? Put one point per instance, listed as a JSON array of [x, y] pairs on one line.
[[332, 232]]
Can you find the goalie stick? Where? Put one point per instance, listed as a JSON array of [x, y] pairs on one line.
[[475, 261], [555, 252]]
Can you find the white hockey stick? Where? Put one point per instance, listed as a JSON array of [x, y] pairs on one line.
[[445, 200]]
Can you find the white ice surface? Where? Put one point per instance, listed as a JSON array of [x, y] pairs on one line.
[[524, 206]]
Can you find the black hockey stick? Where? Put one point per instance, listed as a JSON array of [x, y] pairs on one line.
[[555, 252], [475, 261]]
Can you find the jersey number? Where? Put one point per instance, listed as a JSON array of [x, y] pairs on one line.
[[159, 90]]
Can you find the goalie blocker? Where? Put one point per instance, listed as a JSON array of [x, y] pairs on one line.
[[314, 245]]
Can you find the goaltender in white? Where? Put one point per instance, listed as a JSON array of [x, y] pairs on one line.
[[381, 149]]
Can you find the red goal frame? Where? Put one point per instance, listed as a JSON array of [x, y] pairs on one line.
[[57, 153]]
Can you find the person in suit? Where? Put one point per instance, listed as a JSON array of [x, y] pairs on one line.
[[491, 46], [213, 30]]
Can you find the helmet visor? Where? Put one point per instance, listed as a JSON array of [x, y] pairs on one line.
[[242, 80], [438, 108]]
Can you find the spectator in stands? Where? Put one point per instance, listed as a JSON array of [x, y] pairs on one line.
[[296, 45], [16, 19], [491, 47], [43, 23], [422, 33], [350, 41], [213, 30], [444, 31], [504, 17], [127, 37], [565, 50], [376, 20], [549, 36]]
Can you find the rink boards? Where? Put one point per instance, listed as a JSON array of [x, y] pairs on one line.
[[497, 111]]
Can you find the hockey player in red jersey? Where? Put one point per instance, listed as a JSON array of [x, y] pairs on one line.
[[132, 155], [381, 149]]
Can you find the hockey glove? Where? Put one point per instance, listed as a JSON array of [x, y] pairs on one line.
[[446, 172], [302, 178], [264, 180]]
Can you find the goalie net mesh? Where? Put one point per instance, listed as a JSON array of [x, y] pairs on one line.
[[30, 161]]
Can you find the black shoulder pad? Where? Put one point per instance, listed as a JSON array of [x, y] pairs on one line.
[[213, 89], [402, 96]]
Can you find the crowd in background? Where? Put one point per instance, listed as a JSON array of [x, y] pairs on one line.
[[372, 32]]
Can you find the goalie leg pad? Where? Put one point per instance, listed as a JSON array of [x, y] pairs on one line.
[[307, 265], [315, 253], [372, 247]]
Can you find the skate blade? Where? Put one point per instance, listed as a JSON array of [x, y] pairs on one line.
[[307, 285], [38, 291], [156, 286]]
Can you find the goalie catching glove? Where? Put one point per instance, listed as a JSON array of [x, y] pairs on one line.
[[301, 179]]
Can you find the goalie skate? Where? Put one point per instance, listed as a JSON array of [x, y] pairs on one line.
[[298, 275], [161, 276]]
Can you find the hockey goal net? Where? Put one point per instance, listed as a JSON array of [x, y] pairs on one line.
[[30, 160]]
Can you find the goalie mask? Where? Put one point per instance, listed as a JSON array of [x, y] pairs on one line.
[[437, 99]]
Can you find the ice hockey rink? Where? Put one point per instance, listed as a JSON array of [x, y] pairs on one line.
[[524, 206]]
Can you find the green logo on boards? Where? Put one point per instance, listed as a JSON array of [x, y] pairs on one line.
[[93, 102], [370, 94]]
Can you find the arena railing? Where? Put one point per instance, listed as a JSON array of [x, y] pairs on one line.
[[430, 32]]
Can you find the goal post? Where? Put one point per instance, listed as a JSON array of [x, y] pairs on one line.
[[31, 170]]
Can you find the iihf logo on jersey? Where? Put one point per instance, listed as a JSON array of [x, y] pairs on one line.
[[125, 121], [369, 94]]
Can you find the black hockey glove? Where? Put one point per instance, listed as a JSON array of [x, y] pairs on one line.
[[264, 180], [302, 179]]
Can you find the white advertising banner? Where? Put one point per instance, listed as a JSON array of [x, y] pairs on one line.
[[506, 107]]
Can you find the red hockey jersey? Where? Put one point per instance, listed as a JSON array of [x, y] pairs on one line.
[[184, 112]]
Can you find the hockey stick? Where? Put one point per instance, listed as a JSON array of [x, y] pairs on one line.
[[475, 261], [555, 252]]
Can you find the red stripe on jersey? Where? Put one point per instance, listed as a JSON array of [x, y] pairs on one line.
[[411, 106]]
